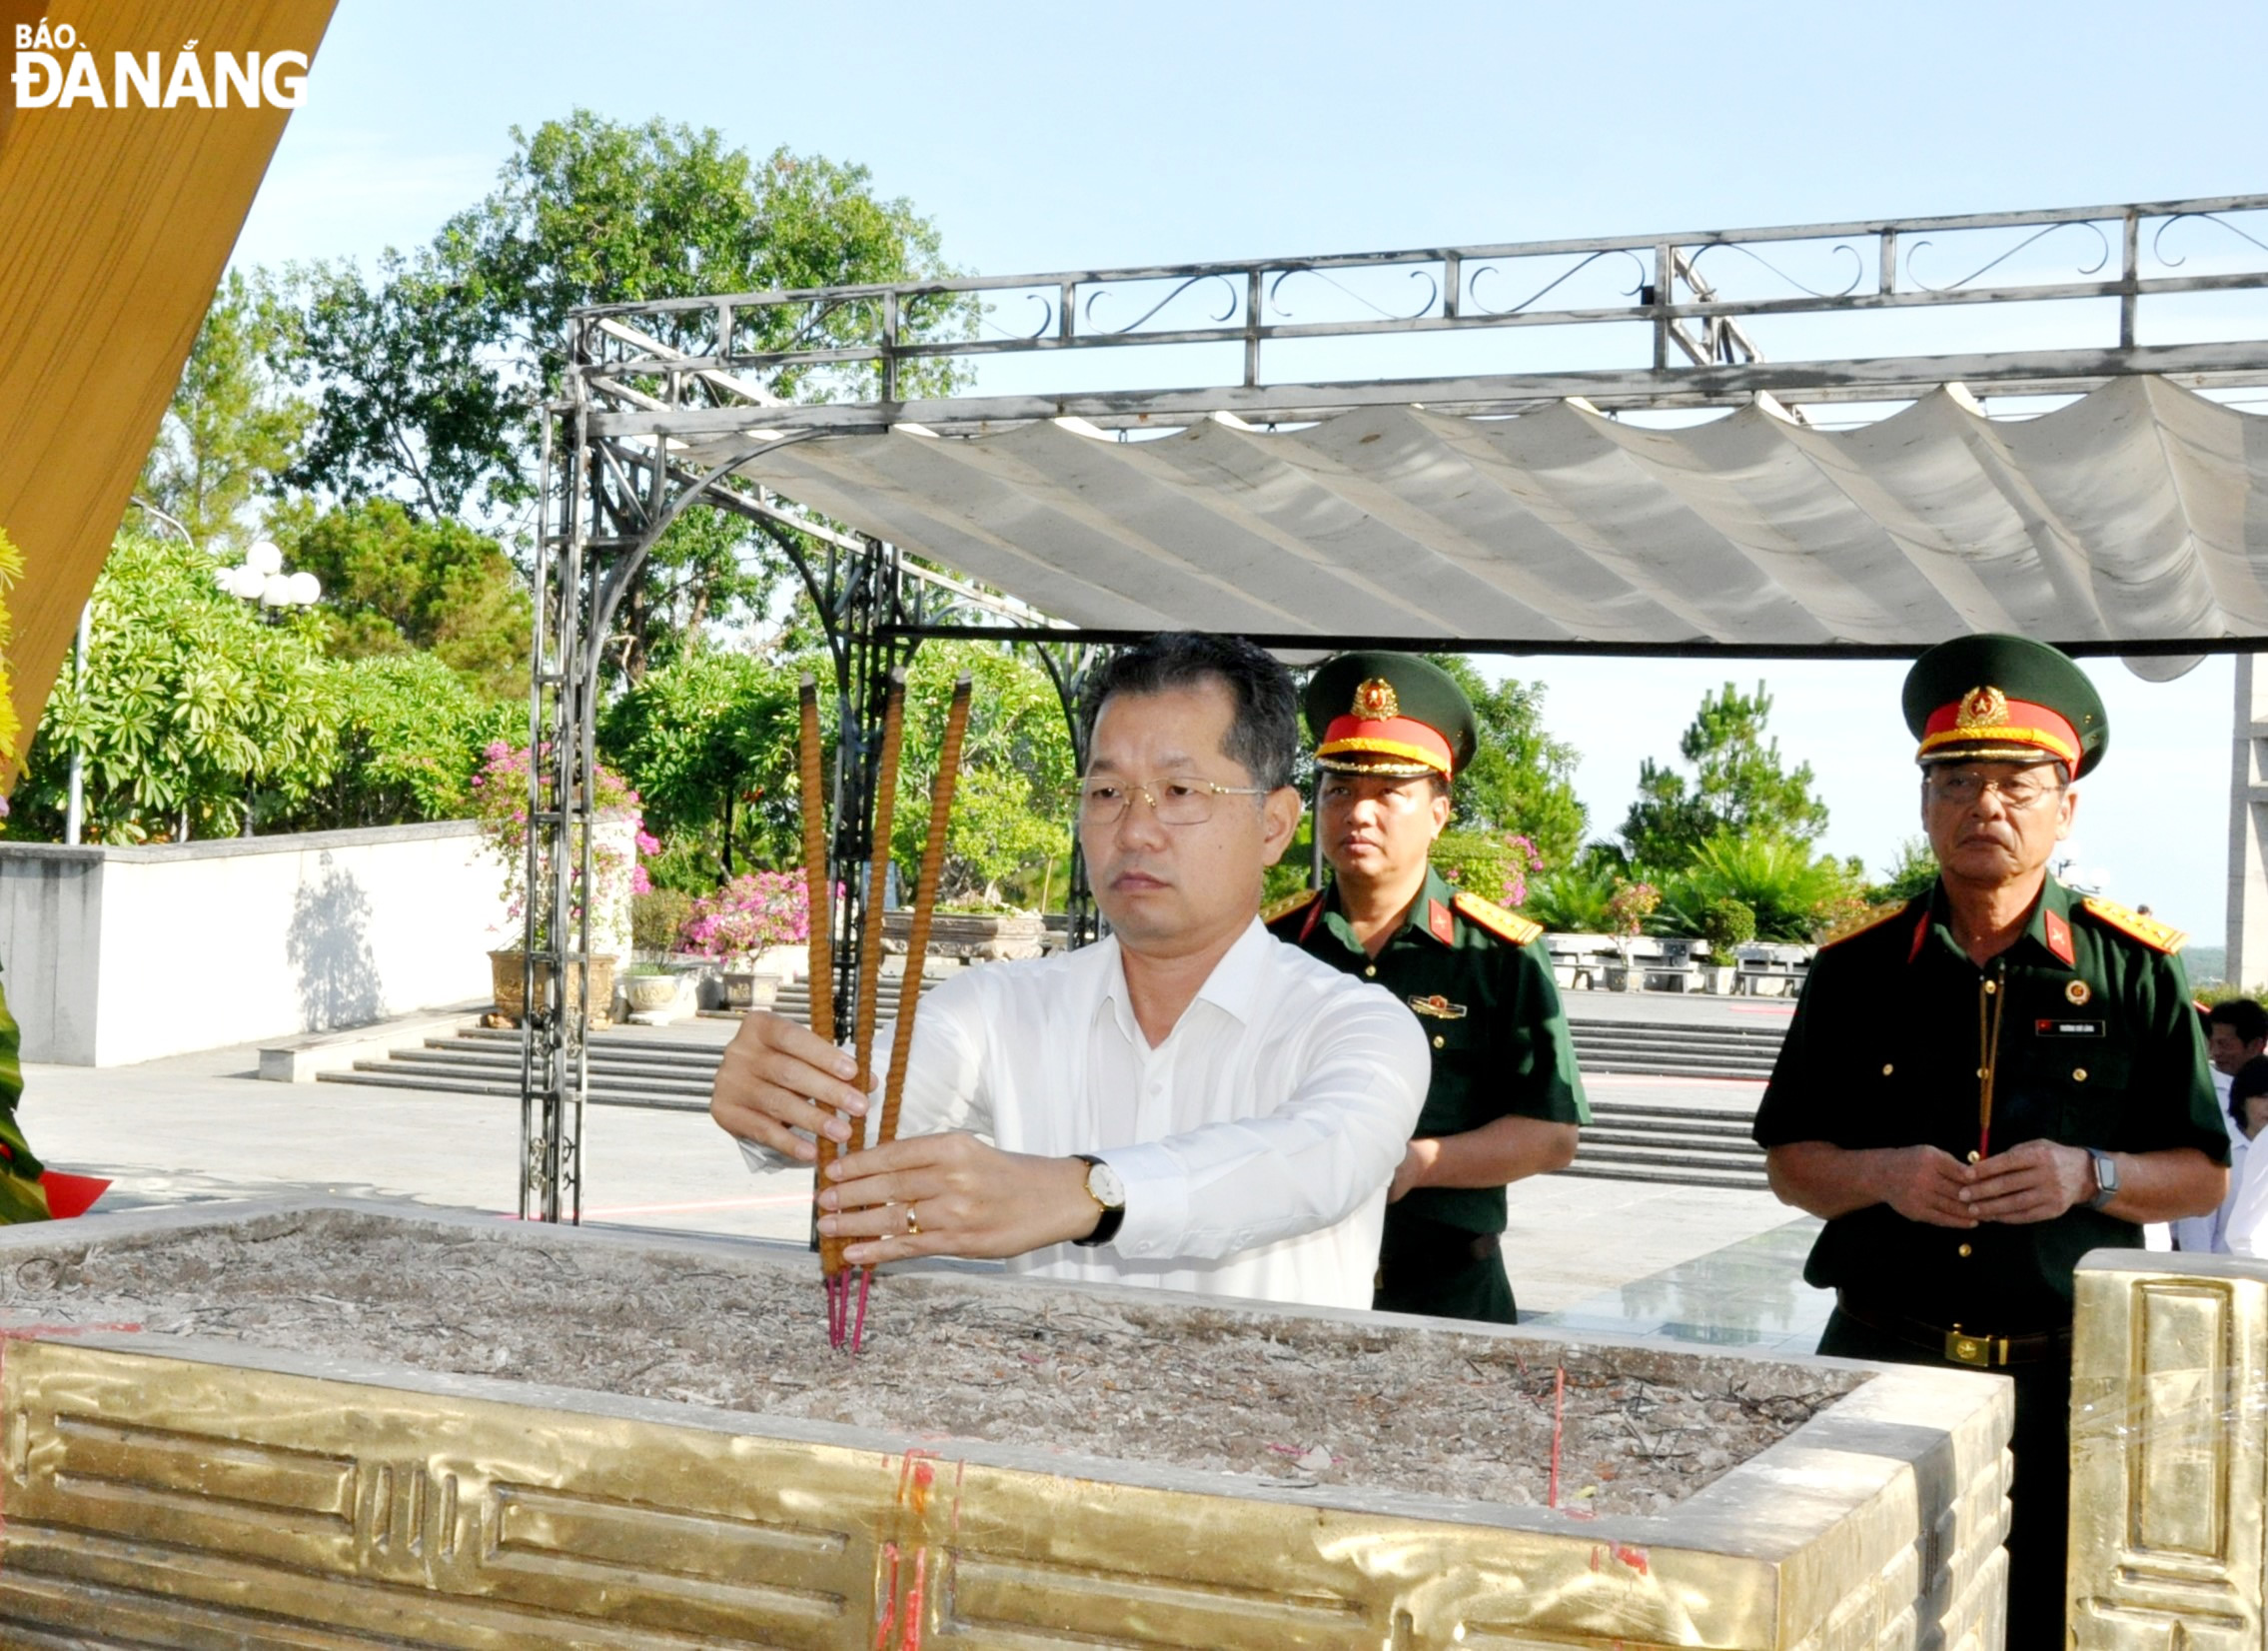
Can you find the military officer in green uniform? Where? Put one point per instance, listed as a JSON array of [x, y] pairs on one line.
[[1992, 1080], [1391, 732]]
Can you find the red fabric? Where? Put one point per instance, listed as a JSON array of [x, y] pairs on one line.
[[2059, 937], [1443, 925], [69, 1195]]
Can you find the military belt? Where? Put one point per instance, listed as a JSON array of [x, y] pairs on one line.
[[1957, 1345]]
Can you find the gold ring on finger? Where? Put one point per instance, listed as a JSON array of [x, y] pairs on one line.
[[912, 1223]]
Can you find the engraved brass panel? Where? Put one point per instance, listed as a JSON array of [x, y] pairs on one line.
[[2169, 1470], [200, 1495]]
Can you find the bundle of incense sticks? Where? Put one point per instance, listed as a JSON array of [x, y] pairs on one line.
[[844, 1326], [918, 941]]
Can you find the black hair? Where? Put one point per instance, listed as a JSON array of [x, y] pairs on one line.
[[2241, 1015], [2251, 1079], [1263, 734]]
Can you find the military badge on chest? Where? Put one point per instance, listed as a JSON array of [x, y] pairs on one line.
[[1437, 1008]]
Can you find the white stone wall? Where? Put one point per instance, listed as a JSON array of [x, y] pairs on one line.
[[112, 955]]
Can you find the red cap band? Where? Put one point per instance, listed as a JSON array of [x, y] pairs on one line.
[[1403, 739], [2015, 723]]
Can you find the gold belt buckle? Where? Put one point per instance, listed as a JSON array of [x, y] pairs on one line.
[[1974, 1351]]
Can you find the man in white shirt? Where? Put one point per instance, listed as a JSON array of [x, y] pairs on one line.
[[1187, 1104]]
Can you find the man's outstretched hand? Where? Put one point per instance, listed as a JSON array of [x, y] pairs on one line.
[[962, 1197], [773, 1072]]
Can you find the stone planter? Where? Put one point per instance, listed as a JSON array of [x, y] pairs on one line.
[[1718, 978], [967, 937], [747, 989], [506, 969], [270, 1498], [1622, 976], [649, 994]]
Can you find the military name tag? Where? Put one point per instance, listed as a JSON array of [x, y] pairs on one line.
[[2068, 1028], [1440, 1007]]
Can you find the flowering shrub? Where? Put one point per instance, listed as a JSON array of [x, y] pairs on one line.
[[748, 914], [1494, 866], [1629, 905], [499, 803], [1526, 857]]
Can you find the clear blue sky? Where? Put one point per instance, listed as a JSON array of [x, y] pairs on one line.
[[1045, 137]]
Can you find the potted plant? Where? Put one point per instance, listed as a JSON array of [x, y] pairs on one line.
[[648, 989], [734, 928], [1626, 910], [616, 840], [1726, 923]]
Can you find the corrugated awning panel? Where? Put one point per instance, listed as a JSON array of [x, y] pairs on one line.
[[2139, 512]]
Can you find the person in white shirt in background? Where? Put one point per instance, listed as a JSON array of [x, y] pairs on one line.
[[2236, 1033], [2245, 1229], [1187, 1104]]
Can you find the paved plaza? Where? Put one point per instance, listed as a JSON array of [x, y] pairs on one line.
[[1706, 1265]]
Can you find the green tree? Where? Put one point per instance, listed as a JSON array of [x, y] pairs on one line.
[[430, 367], [1912, 873], [192, 703], [236, 422], [1012, 805], [708, 740], [394, 583], [413, 397], [411, 734], [1795, 894], [1739, 787], [1521, 779]]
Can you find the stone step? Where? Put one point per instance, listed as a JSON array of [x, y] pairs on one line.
[[385, 1077]]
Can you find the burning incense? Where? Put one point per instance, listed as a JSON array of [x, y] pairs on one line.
[[918, 941]]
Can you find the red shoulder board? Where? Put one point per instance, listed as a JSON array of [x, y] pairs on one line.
[[2156, 935], [2058, 938], [1505, 925]]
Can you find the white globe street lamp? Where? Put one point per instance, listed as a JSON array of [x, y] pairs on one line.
[[261, 578]]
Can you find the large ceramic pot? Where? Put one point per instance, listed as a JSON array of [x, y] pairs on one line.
[[507, 972]]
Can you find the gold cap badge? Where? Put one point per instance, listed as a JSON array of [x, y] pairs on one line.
[[1376, 701], [1983, 708]]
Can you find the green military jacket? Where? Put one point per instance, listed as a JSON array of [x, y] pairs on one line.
[[1489, 1006], [22, 1198], [2098, 1046]]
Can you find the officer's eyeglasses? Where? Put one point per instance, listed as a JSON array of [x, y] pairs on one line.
[[1963, 787], [1177, 799]]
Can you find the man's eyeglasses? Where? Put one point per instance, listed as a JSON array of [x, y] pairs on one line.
[[1177, 799], [1961, 787]]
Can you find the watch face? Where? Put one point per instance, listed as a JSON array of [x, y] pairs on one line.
[[1109, 1191]]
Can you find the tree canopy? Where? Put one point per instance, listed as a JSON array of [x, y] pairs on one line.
[[431, 365], [1739, 787], [236, 422], [394, 583]]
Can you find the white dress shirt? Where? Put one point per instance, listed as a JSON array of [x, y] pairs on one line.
[[1255, 1143], [2208, 1234]]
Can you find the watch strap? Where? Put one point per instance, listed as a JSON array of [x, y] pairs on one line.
[[2106, 1178], [1112, 1218]]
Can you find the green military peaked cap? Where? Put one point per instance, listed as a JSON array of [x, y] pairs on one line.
[[2004, 698], [1372, 711]]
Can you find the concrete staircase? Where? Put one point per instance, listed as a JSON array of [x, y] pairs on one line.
[[1627, 1141]]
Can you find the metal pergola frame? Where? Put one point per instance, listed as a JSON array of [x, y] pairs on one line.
[[661, 407]]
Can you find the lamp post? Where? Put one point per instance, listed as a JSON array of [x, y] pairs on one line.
[[261, 578]]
